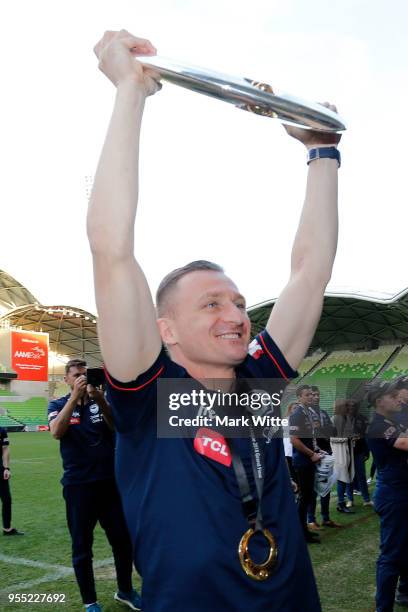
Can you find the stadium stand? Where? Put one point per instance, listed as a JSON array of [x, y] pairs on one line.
[[310, 362], [345, 372], [30, 412], [360, 336], [6, 421], [345, 364], [398, 366]]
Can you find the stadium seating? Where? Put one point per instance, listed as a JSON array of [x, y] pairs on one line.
[[345, 364], [6, 421], [309, 362], [31, 412], [343, 372], [397, 367]]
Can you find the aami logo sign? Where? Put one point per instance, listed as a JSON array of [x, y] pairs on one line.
[[211, 444], [29, 355]]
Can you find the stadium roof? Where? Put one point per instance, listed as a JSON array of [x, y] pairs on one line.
[[13, 293], [72, 331], [361, 319]]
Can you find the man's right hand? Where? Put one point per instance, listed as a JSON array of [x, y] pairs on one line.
[[116, 53], [316, 457], [79, 388]]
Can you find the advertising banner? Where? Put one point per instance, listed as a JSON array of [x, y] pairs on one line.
[[29, 355]]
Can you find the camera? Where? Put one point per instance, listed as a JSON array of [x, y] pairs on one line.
[[95, 377]]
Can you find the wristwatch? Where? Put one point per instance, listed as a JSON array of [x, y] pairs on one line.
[[321, 152]]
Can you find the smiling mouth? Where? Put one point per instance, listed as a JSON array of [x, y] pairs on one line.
[[231, 336]]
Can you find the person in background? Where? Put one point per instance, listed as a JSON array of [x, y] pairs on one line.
[[343, 454], [401, 386], [82, 423], [388, 442], [305, 455], [288, 446], [323, 428], [361, 450], [5, 494]]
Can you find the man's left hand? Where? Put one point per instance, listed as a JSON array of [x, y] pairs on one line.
[[315, 138], [94, 393], [6, 474]]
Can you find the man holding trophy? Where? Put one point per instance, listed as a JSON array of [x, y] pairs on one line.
[[187, 507]]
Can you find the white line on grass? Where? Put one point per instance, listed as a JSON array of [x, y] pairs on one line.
[[22, 586], [60, 571], [31, 563], [29, 461]]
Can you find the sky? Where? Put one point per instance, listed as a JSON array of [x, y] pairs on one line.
[[215, 182]]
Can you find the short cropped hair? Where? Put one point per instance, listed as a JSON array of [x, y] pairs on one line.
[[400, 383], [75, 363], [314, 388], [170, 281], [301, 388]]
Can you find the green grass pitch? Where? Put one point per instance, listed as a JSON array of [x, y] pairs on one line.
[[344, 562]]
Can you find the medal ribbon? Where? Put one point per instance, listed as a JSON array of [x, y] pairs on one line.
[[253, 511]]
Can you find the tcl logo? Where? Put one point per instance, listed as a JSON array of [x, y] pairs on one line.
[[215, 445], [211, 444]]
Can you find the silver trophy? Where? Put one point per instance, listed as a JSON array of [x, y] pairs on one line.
[[247, 94]]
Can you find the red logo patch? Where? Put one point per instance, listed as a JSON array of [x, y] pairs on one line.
[[212, 445], [74, 421], [255, 349]]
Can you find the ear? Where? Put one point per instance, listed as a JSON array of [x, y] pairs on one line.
[[167, 331], [65, 379]]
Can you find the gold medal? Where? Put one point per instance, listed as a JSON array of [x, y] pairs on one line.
[[257, 571]]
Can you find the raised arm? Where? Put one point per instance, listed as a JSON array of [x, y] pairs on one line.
[[128, 333], [60, 423], [295, 316]]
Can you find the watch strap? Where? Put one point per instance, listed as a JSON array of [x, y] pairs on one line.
[[324, 152]]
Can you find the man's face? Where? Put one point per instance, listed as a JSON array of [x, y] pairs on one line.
[[315, 398], [389, 402], [208, 320], [403, 396], [306, 397], [74, 373]]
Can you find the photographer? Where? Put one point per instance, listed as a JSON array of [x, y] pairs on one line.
[[81, 421]]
